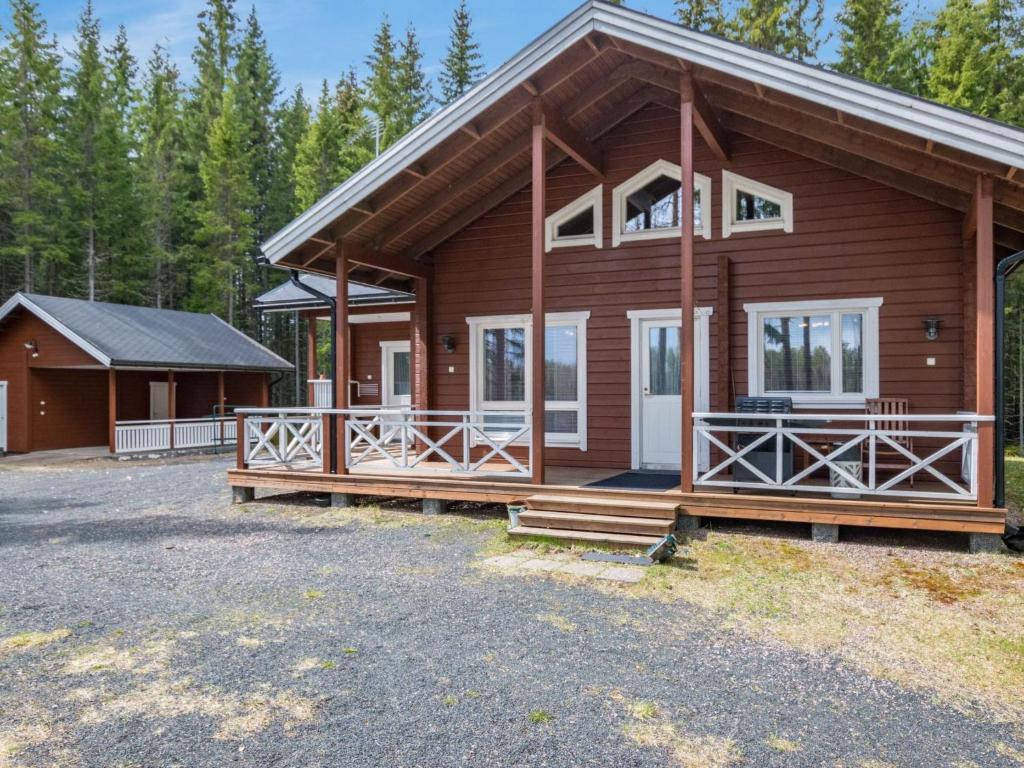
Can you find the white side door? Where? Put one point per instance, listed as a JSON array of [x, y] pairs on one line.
[[657, 402], [158, 401], [3, 416], [395, 382]]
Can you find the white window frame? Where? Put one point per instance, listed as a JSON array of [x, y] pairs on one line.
[[649, 174], [733, 183], [477, 326], [592, 199], [758, 313]]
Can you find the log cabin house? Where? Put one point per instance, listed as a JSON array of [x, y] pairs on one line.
[[77, 374], [814, 343]]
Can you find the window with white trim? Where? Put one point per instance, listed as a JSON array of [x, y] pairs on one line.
[[578, 223], [500, 376], [750, 206], [818, 353], [647, 205]]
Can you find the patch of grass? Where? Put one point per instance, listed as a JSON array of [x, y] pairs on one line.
[[313, 594], [643, 710], [350, 651], [27, 640], [558, 622], [540, 716], [946, 622], [686, 751], [328, 664], [449, 700], [1009, 752], [781, 744]]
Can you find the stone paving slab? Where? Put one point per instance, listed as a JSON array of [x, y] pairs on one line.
[[525, 561]]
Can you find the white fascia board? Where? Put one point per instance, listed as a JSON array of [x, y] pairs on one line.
[[18, 300]]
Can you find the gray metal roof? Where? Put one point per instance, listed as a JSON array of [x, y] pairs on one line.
[[944, 125], [288, 297], [122, 335]]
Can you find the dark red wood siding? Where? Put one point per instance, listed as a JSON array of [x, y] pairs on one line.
[[853, 238], [366, 355]]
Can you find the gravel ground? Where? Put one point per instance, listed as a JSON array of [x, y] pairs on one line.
[[201, 634]]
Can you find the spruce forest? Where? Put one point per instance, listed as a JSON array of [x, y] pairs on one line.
[[123, 181]]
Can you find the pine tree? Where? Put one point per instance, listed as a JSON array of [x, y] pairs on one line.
[[787, 27], [292, 124], [702, 15], [461, 66], [318, 167], [82, 139], [381, 84], [160, 174], [872, 44], [413, 88], [225, 214], [30, 82]]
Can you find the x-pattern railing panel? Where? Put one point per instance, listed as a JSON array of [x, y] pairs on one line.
[[768, 436], [283, 440]]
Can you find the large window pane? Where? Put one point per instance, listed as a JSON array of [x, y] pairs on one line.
[[580, 225], [656, 205], [853, 353], [400, 384], [504, 364], [663, 348], [798, 354], [561, 422], [560, 370]]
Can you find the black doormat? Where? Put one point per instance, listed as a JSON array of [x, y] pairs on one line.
[[639, 481]]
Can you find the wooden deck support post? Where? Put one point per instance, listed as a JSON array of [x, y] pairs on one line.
[[311, 371], [537, 298], [171, 405], [985, 337], [342, 362], [241, 441], [220, 405], [686, 93], [112, 409], [419, 359]]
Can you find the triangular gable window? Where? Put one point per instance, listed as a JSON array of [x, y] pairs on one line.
[[647, 205], [578, 223], [750, 206]]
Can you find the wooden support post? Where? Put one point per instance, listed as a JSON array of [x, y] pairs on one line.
[[112, 409], [537, 298], [985, 338], [241, 441], [171, 405], [419, 359], [311, 368], [342, 361], [265, 391], [327, 428], [686, 280]]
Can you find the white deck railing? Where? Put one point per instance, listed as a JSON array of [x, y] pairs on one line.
[[156, 435], [758, 452], [392, 439]]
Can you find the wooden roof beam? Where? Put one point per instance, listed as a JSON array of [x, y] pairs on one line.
[[563, 135], [704, 118], [362, 256]]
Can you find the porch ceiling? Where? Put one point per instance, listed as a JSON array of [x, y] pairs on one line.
[[596, 84]]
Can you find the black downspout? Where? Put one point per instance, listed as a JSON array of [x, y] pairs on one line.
[[293, 275], [1004, 269]]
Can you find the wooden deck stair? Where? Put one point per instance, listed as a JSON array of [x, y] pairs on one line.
[[611, 519]]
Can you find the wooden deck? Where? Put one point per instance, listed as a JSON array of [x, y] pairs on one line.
[[573, 481]]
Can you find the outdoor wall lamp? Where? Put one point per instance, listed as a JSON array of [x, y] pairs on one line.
[[931, 328], [33, 347], [448, 343]]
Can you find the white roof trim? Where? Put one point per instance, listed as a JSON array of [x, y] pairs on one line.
[[18, 300], [975, 135]]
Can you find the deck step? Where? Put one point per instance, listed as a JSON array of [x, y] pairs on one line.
[[601, 505], [602, 523], [625, 539]]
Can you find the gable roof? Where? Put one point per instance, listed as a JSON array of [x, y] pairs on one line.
[[983, 138], [121, 335], [287, 297]]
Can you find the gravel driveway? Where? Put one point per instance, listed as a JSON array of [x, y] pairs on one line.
[[144, 621]]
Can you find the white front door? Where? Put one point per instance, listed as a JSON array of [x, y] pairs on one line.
[[158, 401], [657, 403], [3, 416], [396, 374]]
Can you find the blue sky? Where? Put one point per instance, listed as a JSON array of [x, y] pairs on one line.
[[314, 39]]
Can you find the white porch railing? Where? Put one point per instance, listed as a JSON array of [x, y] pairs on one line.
[[141, 436], [757, 451], [392, 439]]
